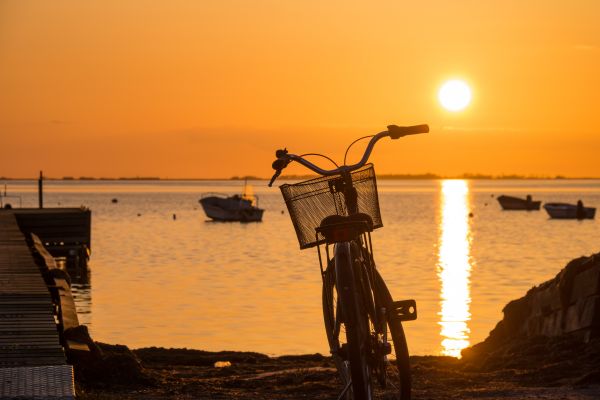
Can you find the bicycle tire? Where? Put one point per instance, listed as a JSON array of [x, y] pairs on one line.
[[401, 367], [355, 321], [330, 317]]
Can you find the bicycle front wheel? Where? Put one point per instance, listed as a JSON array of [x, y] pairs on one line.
[[347, 323]]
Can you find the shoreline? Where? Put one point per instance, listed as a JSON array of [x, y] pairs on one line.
[[407, 177], [548, 372], [547, 346]]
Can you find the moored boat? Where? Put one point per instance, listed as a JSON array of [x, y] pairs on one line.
[[516, 203], [242, 208], [569, 211]]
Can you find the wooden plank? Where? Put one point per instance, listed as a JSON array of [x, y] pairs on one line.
[[36, 361], [28, 331], [41, 250], [30, 338], [58, 216], [67, 304], [32, 360], [28, 308]]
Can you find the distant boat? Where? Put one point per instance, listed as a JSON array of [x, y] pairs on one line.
[[569, 211], [242, 208], [516, 203]]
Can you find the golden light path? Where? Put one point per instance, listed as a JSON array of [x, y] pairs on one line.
[[454, 268]]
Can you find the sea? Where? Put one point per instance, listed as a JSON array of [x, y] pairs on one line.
[[162, 274]]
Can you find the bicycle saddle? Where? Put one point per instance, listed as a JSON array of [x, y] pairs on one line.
[[339, 228]]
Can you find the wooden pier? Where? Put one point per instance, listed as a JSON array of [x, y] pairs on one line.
[[32, 359], [65, 232]]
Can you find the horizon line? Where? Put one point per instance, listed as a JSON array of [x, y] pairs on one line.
[[425, 176]]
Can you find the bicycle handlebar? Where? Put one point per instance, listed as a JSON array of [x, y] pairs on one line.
[[394, 132], [397, 132]]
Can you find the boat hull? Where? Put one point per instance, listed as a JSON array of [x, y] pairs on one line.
[[229, 209], [568, 211], [515, 203]]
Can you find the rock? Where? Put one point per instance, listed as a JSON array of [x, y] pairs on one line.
[[567, 304], [556, 321], [81, 334], [104, 365]]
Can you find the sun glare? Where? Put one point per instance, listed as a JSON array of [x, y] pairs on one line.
[[454, 267], [454, 95]]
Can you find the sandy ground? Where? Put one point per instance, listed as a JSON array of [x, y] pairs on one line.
[[191, 374]]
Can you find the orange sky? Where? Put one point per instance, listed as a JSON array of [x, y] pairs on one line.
[[211, 88]]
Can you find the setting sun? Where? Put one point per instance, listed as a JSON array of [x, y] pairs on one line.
[[454, 95]]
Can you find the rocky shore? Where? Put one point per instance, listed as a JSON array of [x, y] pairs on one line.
[[546, 347]]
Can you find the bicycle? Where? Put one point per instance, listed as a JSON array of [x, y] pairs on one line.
[[337, 213]]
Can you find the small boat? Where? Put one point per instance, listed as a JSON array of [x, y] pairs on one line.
[[242, 208], [516, 203], [569, 211]]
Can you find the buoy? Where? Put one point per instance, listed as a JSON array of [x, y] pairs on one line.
[[174, 217], [115, 200]]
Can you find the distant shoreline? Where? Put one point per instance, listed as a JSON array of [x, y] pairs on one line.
[[427, 176]]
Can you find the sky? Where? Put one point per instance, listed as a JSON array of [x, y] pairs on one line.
[[210, 89]]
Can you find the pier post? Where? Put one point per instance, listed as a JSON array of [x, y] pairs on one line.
[[41, 191]]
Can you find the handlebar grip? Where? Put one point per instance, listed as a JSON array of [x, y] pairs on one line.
[[397, 132]]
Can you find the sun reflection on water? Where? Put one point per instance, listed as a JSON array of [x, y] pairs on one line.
[[454, 268]]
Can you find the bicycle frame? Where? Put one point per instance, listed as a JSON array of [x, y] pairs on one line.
[[364, 305], [340, 252], [354, 268], [363, 242]]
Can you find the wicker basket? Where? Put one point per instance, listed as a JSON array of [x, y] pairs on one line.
[[310, 201]]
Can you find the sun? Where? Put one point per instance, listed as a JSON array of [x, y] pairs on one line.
[[454, 95]]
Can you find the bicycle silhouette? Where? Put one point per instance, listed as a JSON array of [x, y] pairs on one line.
[[337, 213]]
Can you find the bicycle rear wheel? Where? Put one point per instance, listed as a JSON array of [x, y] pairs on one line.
[[397, 368], [398, 378]]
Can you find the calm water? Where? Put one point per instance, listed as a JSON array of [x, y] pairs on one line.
[[156, 281]]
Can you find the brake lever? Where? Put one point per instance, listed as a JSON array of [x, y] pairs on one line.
[[275, 175], [279, 164]]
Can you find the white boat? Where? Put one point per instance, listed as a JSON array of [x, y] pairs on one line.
[[569, 211], [242, 208]]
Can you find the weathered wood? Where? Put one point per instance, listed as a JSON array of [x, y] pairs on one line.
[[39, 248], [67, 304], [32, 361], [71, 226], [68, 312]]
